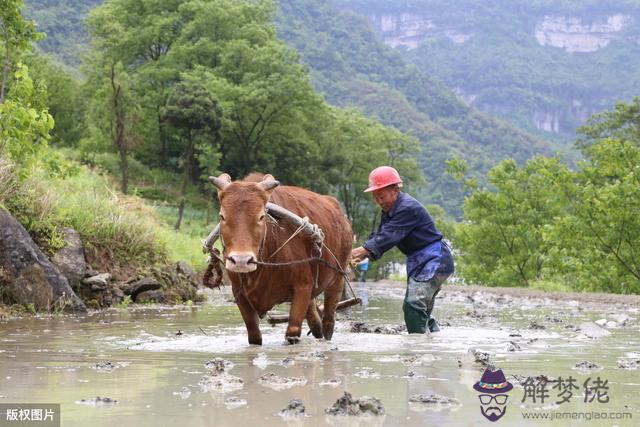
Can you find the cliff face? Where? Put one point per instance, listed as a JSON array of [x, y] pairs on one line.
[[574, 34], [545, 66], [409, 30]]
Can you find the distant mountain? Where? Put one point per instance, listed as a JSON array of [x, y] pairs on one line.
[[351, 66], [545, 65], [61, 21]]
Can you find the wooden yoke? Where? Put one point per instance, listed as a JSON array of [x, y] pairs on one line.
[[278, 212]]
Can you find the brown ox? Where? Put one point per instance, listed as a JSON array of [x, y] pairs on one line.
[[248, 235]]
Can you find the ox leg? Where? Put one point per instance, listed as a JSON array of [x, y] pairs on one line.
[[299, 307], [331, 299], [251, 320], [313, 319]]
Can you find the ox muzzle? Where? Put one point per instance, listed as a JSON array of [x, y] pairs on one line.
[[241, 262]]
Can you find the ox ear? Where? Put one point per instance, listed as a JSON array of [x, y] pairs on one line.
[[269, 183], [221, 182]]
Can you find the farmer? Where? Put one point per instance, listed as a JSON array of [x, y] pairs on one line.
[[405, 223]]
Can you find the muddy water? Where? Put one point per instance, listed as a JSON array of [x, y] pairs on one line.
[[151, 360]]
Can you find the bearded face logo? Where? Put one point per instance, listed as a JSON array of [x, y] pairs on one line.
[[493, 388]]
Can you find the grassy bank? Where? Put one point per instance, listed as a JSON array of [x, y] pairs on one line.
[[120, 233]]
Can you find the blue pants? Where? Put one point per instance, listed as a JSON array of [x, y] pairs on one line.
[[428, 269]]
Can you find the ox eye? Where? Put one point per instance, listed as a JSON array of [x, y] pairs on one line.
[[261, 218], [221, 217]]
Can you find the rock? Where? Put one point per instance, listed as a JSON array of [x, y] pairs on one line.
[[630, 364], [418, 359], [347, 405], [361, 327], [184, 269], [481, 357], [27, 276], [513, 346], [234, 402], [295, 408], [367, 373], [150, 296], [70, 260], [218, 365], [105, 366], [434, 399], [275, 382], [585, 365], [548, 318], [145, 284], [311, 355], [99, 280], [334, 382], [220, 382], [591, 330], [98, 401], [537, 326]]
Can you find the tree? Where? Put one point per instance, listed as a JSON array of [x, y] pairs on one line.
[[24, 120], [16, 35], [358, 145], [502, 240], [192, 110], [114, 109]]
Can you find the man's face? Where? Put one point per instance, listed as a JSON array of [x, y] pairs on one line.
[[493, 407], [385, 197]]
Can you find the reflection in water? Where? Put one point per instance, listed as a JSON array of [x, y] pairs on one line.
[[136, 357]]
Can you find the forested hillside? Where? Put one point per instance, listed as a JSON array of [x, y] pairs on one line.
[[62, 22], [545, 65], [351, 67]]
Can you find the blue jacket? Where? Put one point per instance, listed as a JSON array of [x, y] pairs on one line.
[[407, 225]]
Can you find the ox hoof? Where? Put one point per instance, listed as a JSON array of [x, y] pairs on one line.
[[293, 340]]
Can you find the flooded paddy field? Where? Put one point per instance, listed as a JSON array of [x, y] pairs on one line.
[[192, 366]]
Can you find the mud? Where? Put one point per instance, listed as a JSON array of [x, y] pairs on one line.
[[586, 366], [348, 406], [295, 408], [433, 401], [363, 328], [208, 373], [276, 382], [98, 401]]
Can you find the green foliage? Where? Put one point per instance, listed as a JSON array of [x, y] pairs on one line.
[[24, 126], [546, 226], [62, 97], [502, 239], [62, 22]]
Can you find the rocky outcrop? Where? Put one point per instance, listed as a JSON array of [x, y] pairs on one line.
[[27, 276], [575, 35], [70, 259], [410, 29]]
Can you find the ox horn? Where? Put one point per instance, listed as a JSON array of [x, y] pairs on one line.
[[221, 182], [269, 182]]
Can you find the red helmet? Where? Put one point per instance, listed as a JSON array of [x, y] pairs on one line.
[[381, 177]]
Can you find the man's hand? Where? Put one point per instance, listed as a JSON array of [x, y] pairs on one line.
[[358, 254]]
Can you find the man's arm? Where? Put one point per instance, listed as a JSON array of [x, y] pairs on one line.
[[391, 233]]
